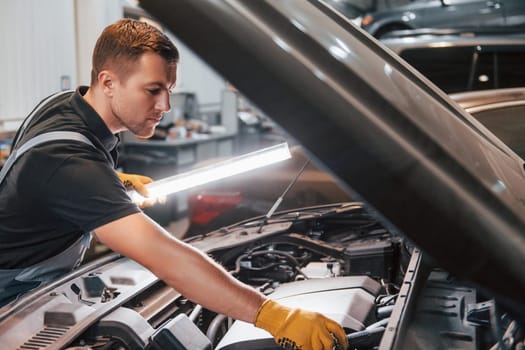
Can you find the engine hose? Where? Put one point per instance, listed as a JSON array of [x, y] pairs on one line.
[[195, 313], [365, 339], [384, 311], [264, 252], [381, 323], [214, 327]]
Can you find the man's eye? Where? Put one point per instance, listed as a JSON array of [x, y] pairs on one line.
[[154, 91]]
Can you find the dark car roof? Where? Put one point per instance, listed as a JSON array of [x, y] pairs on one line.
[[421, 38], [394, 140], [459, 61]]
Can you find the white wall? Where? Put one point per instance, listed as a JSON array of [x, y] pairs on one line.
[[44, 40], [92, 16], [38, 47]]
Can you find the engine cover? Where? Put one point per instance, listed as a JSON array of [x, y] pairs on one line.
[[347, 300]]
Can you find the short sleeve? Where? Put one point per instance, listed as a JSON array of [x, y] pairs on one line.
[[80, 187]]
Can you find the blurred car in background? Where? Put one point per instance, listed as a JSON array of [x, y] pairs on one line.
[[502, 111], [465, 14], [457, 60], [354, 10]]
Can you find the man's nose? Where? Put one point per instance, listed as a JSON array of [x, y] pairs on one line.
[[163, 103]]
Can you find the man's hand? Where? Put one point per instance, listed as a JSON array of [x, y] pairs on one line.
[[137, 183], [295, 329]]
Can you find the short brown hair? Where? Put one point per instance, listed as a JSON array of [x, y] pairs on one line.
[[122, 43]]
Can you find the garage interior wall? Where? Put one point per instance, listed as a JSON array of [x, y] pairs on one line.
[[38, 47], [47, 45]]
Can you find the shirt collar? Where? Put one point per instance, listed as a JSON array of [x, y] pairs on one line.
[[93, 119]]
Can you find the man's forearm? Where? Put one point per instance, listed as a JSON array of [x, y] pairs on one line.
[[203, 281], [183, 267]]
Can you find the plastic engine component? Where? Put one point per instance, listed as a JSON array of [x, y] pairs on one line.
[[349, 300], [180, 333]]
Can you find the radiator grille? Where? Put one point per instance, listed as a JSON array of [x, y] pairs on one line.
[[47, 336]]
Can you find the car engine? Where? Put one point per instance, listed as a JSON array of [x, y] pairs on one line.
[[334, 259]]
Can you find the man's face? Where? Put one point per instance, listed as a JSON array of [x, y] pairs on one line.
[[141, 98]]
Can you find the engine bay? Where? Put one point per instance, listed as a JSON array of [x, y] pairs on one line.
[[333, 259]]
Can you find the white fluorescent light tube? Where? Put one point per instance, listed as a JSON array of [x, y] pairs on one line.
[[213, 172]]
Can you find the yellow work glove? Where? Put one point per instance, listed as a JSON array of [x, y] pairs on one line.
[[137, 183], [297, 329]]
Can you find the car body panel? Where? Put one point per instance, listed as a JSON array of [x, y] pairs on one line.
[[514, 13], [446, 14], [475, 101], [463, 61], [502, 111]]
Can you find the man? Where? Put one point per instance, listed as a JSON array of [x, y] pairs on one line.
[[63, 187]]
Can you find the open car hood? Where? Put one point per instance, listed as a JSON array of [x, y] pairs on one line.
[[397, 143]]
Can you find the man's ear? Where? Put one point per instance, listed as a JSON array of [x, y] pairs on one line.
[[107, 80]]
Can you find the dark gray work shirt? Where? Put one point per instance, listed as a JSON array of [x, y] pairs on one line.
[[59, 190]]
